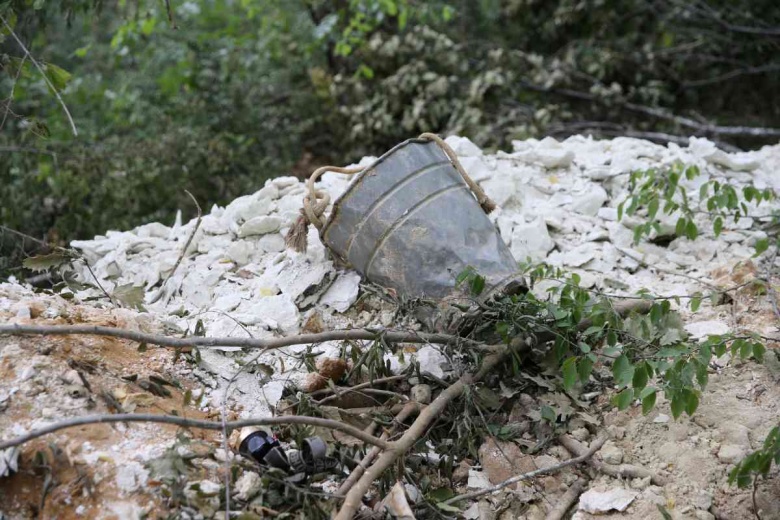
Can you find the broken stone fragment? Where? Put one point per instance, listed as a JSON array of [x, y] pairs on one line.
[[702, 329], [731, 453], [531, 239], [611, 454], [248, 486], [260, 226], [599, 502], [343, 293]]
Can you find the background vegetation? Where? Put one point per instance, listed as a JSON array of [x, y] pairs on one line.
[[215, 96]]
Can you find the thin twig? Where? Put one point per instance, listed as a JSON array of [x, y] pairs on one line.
[[13, 89], [615, 470], [596, 446], [100, 286], [196, 423], [189, 239], [200, 341], [171, 20], [43, 73]]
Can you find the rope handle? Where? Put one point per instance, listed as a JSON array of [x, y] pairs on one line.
[[316, 201]]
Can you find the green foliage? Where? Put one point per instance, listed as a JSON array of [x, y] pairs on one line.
[[759, 462], [241, 91], [652, 190], [648, 353]]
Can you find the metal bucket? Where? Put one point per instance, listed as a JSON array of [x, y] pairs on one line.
[[410, 223]]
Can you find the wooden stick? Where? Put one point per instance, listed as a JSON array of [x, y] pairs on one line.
[[567, 500], [615, 470], [197, 341]]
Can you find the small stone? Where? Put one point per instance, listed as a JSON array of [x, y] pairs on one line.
[[702, 500], [239, 252], [342, 294], [599, 502], [640, 483], [589, 202], [661, 418], [531, 240], [421, 394], [248, 486], [610, 214], [260, 226], [703, 515], [478, 480], [731, 453], [581, 434], [611, 454]]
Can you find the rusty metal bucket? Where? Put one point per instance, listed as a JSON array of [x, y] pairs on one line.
[[409, 222]]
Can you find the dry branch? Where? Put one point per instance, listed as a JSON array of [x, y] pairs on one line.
[[405, 413], [596, 446], [614, 470], [399, 448], [195, 423], [567, 500], [267, 344]]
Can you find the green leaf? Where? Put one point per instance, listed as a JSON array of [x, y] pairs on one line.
[[59, 77], [758, 351], [622, 370], [187, 397], [648, 400], [570, 374], [679, 229], [623, 399], [695, 303], [691, 231], [691, 402], [477, 285], [652, 208], [584, 368], [143, 347], [717, 226], [640, 378], [677, 405], [664, 513], [611, 338], [761, 246], [548, 414]]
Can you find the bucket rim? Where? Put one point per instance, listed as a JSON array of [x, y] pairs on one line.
[[356, 179]]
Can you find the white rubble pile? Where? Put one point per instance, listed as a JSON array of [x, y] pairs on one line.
[[558, 203]]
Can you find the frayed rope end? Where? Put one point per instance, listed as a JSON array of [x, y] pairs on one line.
[[296, 238]]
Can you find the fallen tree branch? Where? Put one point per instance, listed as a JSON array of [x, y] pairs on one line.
[[196, 423], [596, 446], [405, 413], [491, 362], [199, 341], [614, 470], [567, 500]]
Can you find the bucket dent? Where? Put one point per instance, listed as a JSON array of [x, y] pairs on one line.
[[410, 222]]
